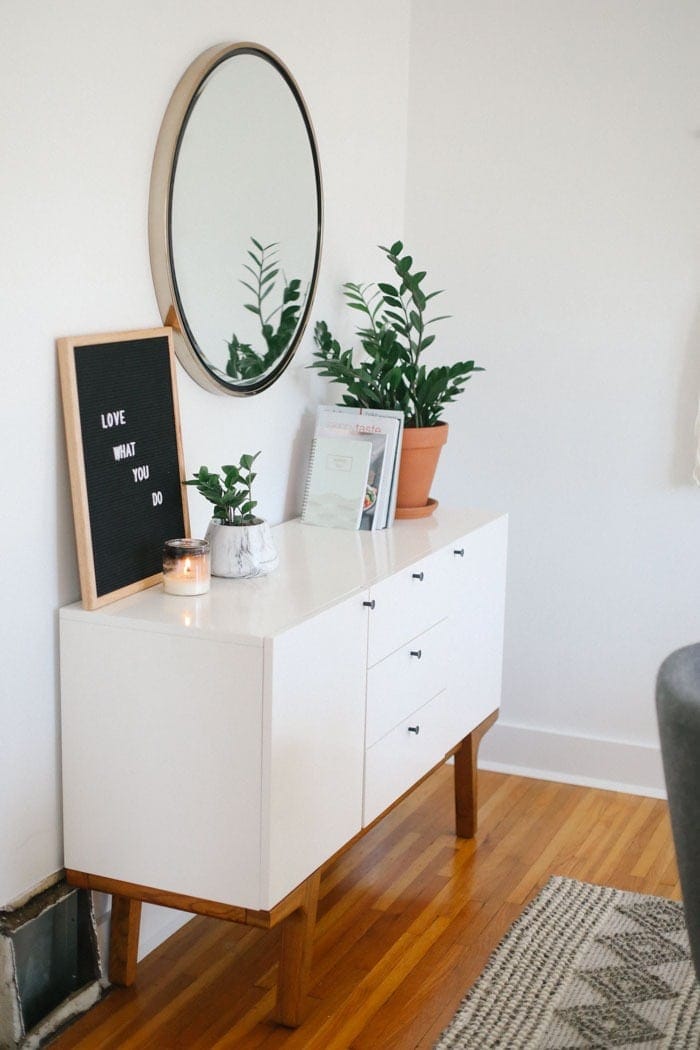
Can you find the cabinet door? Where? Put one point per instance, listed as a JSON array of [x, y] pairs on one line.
[[161, 760], [477, 572], [313, 743]]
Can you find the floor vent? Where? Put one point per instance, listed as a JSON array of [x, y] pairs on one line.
[[49, 965]]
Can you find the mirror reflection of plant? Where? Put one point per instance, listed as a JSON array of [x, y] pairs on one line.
[[392, 375], [244, 361], [231, 494]]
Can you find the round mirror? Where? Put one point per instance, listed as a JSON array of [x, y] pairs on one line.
[[235, 218]]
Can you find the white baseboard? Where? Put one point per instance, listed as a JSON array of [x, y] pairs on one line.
[[611, 764]]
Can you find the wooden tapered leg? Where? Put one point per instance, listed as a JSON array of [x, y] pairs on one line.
[[124, 940], [295, 957], [466, 799]]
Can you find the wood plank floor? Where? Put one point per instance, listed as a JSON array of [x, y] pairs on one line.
[[408, 917]]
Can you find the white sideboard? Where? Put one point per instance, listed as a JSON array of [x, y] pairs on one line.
[[218, 750]]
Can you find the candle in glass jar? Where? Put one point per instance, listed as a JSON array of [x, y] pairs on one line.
[[186, 567]]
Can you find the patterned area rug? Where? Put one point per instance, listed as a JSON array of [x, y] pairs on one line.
[[585, 966]]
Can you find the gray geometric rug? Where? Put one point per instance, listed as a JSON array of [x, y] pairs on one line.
[[585, 967]]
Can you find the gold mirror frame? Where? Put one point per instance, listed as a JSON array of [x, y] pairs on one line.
[[170, 136]]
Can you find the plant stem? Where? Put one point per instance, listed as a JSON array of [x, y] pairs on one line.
[[260, 273], [414, 350]]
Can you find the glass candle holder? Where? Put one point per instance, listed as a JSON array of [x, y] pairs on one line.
[[186, 567]]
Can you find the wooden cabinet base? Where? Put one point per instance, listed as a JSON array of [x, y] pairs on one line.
[[124, 939], [465, 758], [296, 912], [295, 956]]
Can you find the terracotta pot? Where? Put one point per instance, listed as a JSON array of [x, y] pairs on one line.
[[420, 452]]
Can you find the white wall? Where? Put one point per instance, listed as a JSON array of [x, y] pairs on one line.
[[553, 174], [84, 88]]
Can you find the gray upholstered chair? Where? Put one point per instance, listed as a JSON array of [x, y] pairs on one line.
[[678, 710]]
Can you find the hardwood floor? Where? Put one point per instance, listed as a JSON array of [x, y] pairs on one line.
[[407, 919]]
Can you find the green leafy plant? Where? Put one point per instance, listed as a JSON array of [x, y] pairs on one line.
[[230, 492], [244, 361], [394, 336]]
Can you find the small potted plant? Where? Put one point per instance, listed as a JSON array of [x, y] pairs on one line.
[[241, 543], [392, 375]]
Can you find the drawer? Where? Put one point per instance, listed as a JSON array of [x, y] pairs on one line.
[[405, 680], [402, 757], [407, 604]]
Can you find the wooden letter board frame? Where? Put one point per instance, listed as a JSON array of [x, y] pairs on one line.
[[122, 424]]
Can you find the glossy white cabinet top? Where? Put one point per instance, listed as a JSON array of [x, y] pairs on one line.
[[318, 567]]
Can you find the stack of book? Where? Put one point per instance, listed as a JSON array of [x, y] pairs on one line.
[[354, 468]]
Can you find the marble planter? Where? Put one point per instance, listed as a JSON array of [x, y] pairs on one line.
[[240, 551]]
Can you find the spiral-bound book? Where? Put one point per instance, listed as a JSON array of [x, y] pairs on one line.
[[383, 429], [336, 483]]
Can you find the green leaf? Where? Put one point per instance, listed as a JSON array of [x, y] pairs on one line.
[[247, 460], [399, 320]]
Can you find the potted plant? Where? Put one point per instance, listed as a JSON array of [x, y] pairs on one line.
[[241, 543], [392, 374]]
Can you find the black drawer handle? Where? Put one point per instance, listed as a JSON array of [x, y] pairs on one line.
[[414, 729], [417, 575], [459, 552], [417, 653], [369, 605]]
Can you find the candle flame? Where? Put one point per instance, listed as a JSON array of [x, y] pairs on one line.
[[187, 567]]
